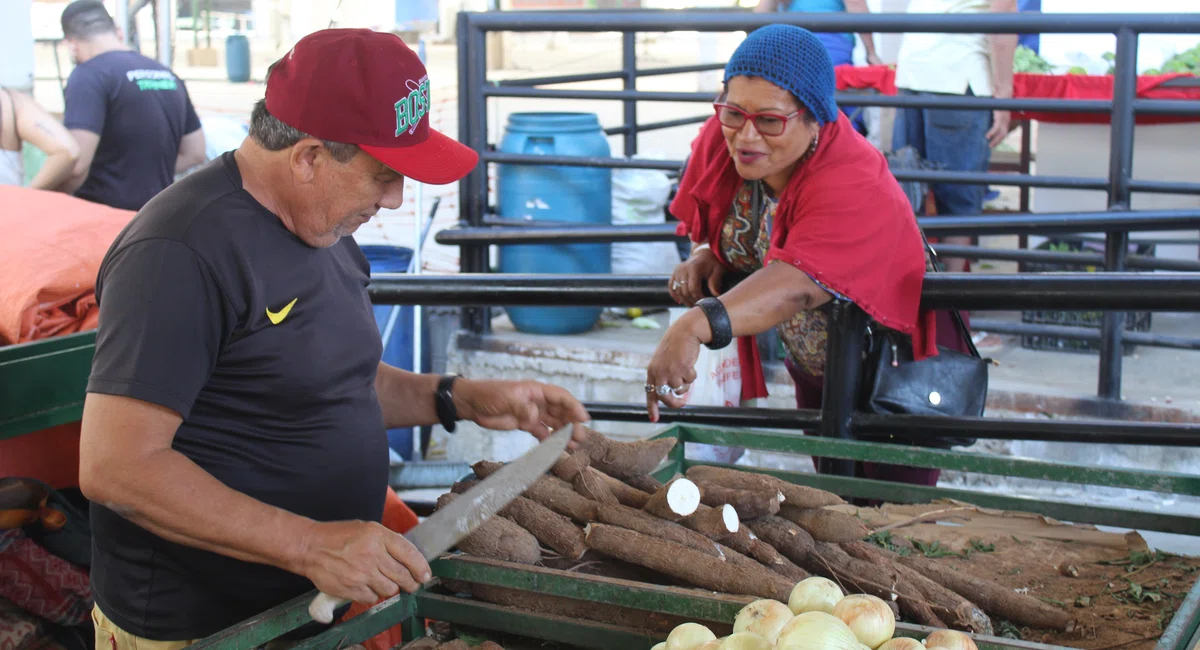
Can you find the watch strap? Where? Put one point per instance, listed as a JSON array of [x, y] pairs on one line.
[[443, 400]]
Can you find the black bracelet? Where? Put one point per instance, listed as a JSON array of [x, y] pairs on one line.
[[443, 400], [718, 322]]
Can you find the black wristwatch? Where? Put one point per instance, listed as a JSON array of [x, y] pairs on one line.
[[443, 400]]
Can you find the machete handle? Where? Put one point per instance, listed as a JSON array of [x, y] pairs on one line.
[[322, 607]]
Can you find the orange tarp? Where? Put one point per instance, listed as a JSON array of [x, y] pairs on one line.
[[400, 518], [49, 256]]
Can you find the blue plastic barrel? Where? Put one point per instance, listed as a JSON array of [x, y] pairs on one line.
[[237, 58], [398, 346], [564, 194]]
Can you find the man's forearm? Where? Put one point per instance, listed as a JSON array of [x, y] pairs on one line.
[[74, 182], [54, 173], [1003, 47], [172, 497], [405, 397], [868, 38]]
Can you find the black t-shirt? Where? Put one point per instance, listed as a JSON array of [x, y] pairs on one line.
[[140, 110], [268, 348]]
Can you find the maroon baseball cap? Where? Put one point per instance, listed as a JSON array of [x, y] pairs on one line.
[[367, 88]]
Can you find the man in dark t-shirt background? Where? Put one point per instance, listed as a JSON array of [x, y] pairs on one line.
[[234, 440], [131, 116]]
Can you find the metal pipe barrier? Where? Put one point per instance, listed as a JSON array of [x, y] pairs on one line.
[[1176, 292], [837, 417], [475, 89], [510, 231]]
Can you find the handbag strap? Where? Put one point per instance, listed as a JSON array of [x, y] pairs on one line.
[[955, 315]]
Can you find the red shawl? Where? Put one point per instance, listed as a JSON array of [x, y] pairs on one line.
[[842, 219]]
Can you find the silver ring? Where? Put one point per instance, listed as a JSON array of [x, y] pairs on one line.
[[675, 285], [678, 393], [664, 390], [649, 388]]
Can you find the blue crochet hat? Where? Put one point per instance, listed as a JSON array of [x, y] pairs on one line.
[[792, 58]]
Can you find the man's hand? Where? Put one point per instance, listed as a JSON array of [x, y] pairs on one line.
[[530, 406], [1001, 123], [361, 561]]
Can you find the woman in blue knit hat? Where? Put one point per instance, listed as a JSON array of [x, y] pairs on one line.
[[781, 187]]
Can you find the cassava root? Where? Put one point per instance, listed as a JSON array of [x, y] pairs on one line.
[[498, 538], [686, 564], [799, 496]]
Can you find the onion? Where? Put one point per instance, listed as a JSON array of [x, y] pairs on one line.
[[764, 618], [902, 643], [870, 618], [660, 646], [949, 640], [744, 641], [816, 631], [715, 644], [688, 636], [814, 594]]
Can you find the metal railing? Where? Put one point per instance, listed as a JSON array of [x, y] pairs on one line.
[[1117, 222], [837, 417]]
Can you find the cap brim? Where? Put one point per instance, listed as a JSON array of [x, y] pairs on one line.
[[436, 161]]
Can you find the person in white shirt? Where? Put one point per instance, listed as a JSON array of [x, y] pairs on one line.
[[955, 64]]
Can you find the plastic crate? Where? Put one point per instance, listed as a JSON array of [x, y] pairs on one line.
[[1134, 321]]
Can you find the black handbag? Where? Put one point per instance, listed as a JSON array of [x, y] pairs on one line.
[[951, 383]]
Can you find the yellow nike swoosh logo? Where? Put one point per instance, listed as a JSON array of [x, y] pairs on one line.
[[277, 317]]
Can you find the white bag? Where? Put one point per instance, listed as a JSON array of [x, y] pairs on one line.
[[718, 383], [718, 375], [639, 196]]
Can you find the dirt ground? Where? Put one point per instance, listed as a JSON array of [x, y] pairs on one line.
[[1121, 594]]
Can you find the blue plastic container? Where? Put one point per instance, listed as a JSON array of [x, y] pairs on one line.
[[565, 194], [237, 58], [398, 346]]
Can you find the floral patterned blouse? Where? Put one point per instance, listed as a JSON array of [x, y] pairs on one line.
[[745, 239]]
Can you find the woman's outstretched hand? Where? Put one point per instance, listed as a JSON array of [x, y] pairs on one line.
[[689, 279], [672, 369]]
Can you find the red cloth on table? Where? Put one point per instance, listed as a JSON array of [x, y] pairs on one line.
[[400, 518], [1044, 86], [51, 252], [843, 219], [1078, 86]]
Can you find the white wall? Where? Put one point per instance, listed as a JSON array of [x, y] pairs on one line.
[[16, 45]]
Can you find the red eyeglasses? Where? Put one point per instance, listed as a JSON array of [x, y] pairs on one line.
[[768, 124]]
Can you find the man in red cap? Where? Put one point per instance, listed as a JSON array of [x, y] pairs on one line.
[[234, 443]]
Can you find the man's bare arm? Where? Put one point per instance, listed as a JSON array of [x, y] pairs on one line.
[[1001, 48], [39, 128], [868, 38], [87, 142], [191, 151], [126, 463]]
